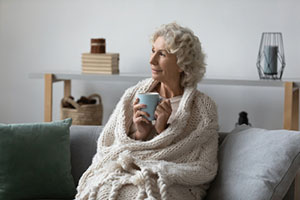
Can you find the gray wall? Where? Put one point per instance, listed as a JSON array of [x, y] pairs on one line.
[[39, 36]]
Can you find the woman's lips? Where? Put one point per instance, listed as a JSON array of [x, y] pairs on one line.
[[156, 70]]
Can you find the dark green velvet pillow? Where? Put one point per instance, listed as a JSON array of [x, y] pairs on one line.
[[35, 161]]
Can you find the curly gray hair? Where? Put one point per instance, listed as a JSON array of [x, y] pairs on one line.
[[186, 46]]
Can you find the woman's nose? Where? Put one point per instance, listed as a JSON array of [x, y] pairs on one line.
[[153, 59]]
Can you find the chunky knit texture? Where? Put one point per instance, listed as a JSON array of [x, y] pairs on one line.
[[179, 163]]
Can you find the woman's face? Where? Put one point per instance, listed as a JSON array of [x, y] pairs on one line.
[[163, 64]]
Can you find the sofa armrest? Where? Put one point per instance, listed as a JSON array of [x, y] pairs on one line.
[[257, 164]]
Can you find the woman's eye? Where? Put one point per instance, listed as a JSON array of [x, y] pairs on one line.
[[159, 53], [162, 54]]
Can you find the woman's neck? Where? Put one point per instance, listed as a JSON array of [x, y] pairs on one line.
[[169, 90]]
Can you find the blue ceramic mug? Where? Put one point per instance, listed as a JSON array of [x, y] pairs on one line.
[[151, 100]]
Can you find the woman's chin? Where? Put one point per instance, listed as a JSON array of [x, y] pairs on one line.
[[155, 77]]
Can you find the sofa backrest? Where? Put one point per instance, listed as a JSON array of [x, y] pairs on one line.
[[83, 148]]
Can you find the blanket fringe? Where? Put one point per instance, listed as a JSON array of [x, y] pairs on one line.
[[162, 187]]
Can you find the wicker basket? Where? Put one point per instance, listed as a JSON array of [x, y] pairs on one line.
[[87, 114]]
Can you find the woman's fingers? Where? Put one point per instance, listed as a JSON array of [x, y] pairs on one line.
[[140, 113], [141, 119], [137, 106], [162, 114], [136, 101]]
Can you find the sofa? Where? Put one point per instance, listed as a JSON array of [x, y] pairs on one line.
[[254, 164]]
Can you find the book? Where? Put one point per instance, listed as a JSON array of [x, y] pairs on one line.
[[100, 55], [84, 60], [101, 71], [100, 59], [100, 64], [99, 68], [95, 65]]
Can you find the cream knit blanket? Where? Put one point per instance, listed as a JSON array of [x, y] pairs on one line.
[[179, 163]]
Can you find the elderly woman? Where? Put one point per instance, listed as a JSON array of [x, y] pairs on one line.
[[173, 157]]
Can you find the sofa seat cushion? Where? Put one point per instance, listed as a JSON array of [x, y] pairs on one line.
[[256, 164], [35, 161]]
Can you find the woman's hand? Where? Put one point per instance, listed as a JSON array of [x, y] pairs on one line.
[[143, 126], [162, 114]]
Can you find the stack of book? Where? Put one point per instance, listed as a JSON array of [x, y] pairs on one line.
[[100, 63]]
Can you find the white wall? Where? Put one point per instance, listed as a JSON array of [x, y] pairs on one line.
[[49, 35]]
